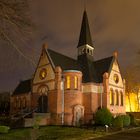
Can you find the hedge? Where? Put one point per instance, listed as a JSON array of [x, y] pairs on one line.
[[126, 120], [133, 121], [4, 129], [118, 122]]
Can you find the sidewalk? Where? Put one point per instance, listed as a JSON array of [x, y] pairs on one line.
[[113, 133]]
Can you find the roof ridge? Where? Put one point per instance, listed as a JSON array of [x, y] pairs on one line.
[[26, 80], [61, 54], [103, 59]]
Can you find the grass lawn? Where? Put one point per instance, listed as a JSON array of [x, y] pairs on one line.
[[50, 133]]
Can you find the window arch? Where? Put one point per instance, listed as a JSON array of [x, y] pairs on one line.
[[111, 97], [15, 103], [24, 102], [116, 97], [43, 89], [75, 82], [83, 50], [68, 82], [19, 103], [121, 95]]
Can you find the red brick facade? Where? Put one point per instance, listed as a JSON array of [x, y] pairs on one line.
[[78, 107]]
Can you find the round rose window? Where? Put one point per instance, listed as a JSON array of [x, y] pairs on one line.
[[43, 74]]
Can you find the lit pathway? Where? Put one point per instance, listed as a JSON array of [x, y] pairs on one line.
[[130, 135]]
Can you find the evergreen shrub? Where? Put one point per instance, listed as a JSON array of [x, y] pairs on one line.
[[118, 122], [126, 120], [133, 121], [103, 117]]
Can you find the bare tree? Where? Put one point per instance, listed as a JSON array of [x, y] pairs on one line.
[[132, 85], [15, 22]]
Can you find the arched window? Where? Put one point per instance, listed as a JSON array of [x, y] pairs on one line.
[[43, 89], [19, 103], [75, 82], [111, 97], [121, 98], [24, 102], [83, 50], [116, 97], [68, 82], [15, 103]]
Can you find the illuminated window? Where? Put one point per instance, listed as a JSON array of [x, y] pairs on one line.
[[75, 82], [121, 99], [111, 97], [116, 98], [68, 82], [116, 78]]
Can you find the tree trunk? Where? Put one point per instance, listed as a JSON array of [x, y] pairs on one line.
[[129, 102], [138, 102]]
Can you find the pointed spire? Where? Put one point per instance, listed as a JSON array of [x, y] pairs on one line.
[[85, 36]]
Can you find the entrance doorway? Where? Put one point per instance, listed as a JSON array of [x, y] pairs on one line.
[[78, 114], [43, 104]]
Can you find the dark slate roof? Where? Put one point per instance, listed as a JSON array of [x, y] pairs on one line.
[[85, 36], [92, 70], [102, 66], [23, 87], [66, 63]]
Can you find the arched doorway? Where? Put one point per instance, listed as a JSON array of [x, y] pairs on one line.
[[43, 104], [43, 99], [78, 114]]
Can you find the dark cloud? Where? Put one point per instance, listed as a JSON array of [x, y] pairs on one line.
[[114, 26]]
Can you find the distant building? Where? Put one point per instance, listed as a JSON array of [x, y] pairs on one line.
[[66, 91]]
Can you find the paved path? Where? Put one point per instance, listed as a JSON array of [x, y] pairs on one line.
[[130, 135]]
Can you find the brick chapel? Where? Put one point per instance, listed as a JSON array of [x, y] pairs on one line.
[[65, 91]]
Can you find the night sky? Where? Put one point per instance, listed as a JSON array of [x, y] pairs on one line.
[[114, 25]]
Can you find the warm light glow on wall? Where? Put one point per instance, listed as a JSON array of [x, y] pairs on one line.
[[75, 82], [68, 82], [132, 104]]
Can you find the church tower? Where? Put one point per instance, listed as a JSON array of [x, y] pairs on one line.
[[85, 45], [85, 51]]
